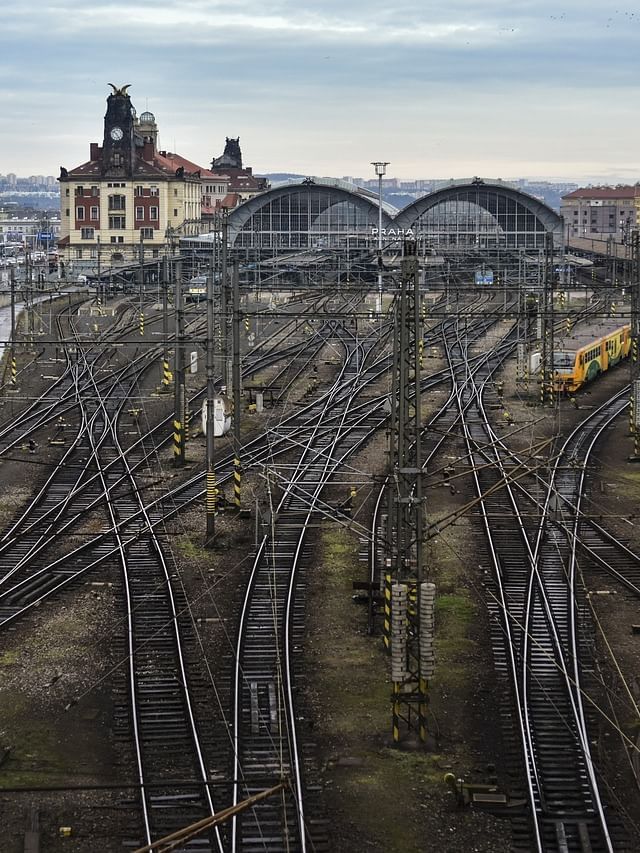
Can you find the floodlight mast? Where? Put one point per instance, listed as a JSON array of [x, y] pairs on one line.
[[381, 168]]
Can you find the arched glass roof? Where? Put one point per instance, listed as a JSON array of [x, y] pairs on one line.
[[480, 215], [313, 214]]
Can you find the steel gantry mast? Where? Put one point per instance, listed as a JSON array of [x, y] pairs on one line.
[[412, 600], [547, 343]]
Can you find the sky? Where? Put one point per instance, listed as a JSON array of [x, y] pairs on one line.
[[546, 89]]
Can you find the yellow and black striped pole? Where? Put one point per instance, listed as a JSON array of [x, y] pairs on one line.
[[211, 501], [386, 624], [395, 712], [14, 369], [167, 375], [141, 322], [237, 482], [422, 708], [178, 442]]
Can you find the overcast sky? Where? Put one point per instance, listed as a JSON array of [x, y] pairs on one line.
[[439, 89]]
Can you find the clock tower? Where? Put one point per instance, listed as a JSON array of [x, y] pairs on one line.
[[118, 149]]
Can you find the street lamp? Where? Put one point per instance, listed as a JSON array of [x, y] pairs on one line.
[[381, 168]]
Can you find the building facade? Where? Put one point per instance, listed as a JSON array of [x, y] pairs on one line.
[[601, 212], [128, 195]]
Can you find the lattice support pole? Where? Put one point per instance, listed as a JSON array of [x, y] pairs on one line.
[[547, 331], [407, 508]]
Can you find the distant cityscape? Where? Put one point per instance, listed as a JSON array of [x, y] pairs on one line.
[[42, 191]]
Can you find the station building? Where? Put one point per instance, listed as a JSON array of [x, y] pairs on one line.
[[128, 193]]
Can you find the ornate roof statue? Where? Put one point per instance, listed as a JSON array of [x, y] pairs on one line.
[[231, 157], [122, 91]]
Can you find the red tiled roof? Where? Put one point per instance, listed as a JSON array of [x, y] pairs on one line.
[[605, 193], [163, 165], [230, 201], [188, 165]]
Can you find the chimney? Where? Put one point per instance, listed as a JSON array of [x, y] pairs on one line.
[[94, 151]]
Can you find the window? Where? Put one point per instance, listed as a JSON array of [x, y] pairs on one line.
[[94, 191], [78, 253], [138, 190], [79, 190], [146, 233], [175, 211], [95, 213], [87, 233], [117, 202], [66, 212], [154, 191], [139, 213], [66, 192], [79, 212], [175, 192], [153, 213], [156, 253], [116, 222]]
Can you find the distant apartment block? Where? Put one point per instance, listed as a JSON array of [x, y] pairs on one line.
[[601, 211]]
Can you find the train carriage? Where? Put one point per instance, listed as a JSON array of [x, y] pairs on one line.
[[580, 358]]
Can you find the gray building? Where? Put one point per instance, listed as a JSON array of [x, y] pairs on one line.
[[601, 212]]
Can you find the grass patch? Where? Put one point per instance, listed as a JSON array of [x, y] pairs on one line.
[[189, 548]]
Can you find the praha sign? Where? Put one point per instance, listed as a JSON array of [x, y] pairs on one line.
[[396, 233]]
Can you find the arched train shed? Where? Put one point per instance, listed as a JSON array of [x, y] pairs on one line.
[[480, 215], [308, 215]]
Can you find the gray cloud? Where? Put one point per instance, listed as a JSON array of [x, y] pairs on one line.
[[436, 88]]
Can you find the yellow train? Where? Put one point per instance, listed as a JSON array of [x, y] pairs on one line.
[[580, 358]]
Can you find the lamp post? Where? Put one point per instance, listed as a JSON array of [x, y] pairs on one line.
[[381, 168]]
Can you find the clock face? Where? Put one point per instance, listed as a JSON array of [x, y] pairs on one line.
[[116, 134]]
